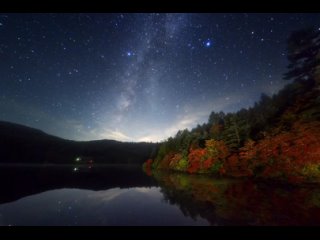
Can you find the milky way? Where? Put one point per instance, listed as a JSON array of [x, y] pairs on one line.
[[138, 77]]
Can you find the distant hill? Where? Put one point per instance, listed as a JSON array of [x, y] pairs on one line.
[[21, 144]]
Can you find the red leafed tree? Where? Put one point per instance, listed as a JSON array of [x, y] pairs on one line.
[[231, 164], [195, 157], [293, 155], [208, 163], [147, 167]]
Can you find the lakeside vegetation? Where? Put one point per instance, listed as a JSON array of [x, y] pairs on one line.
[[278, 138]]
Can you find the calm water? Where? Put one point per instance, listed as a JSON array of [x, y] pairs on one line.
[[123, 195]]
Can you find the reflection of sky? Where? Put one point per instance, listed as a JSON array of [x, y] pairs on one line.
[[132, 206]]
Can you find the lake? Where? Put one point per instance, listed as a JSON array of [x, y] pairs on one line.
[[125, 195]]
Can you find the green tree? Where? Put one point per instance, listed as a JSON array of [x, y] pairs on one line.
[[231, 134]]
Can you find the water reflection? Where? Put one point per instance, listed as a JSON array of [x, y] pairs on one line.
[[71, 207], [240, 202], [124, 195], [20, 181]]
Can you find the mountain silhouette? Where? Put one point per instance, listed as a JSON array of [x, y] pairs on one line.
[[22, 144]]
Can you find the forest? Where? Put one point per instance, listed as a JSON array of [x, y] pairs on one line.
[[277, 138]]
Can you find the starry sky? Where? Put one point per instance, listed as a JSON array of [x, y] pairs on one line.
[[138, 76]]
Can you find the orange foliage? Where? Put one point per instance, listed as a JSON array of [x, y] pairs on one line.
[[222, 171], [195, 157], [217, 149], [202, 160], [248, 151], [148, 167], [174, 160], [208, 163], [232, 164], [285, 154], [292, 156], [165, 163]]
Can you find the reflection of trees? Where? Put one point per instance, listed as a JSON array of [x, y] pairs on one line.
[[188, 209], [195, 195], [240, 202]]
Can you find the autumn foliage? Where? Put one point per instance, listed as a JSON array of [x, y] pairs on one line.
[[196, 157], [292, 156], [147, 166]]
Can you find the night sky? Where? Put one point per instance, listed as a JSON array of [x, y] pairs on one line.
[[138, 77]]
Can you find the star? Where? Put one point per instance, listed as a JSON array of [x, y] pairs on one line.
[[127, 68], [208, 43]]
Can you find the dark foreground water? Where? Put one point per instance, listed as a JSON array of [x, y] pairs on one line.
[[124, 195]]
